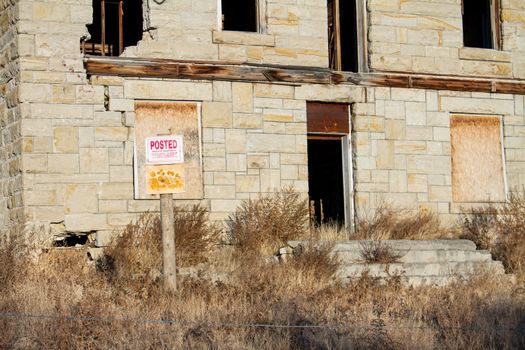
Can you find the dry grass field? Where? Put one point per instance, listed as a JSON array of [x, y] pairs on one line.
[[57, 299]]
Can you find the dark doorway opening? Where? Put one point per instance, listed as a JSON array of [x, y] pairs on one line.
[[342, 35], [325, 179], [116, 24], [239, 15]]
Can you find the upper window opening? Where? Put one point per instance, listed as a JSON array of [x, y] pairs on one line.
[[239, 15], [116, 24], [481, 23], [343, 24]]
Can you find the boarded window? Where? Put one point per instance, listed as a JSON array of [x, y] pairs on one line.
[[481, 23], [169, 118], [116, 24], [477, 161], [328, 118]]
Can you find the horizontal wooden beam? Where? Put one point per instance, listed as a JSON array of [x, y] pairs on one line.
[[201, 70]]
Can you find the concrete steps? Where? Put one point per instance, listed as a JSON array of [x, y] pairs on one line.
[[429, 262]]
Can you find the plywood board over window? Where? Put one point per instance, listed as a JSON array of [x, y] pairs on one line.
[[169, 118], [477, 159]]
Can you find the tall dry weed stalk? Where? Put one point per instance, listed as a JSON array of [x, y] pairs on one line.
[[389, 222], [501, 230], [266, 224]]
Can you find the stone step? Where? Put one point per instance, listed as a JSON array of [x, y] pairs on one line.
[[439, 281], [442, 244], [420, 269], [420, 256]]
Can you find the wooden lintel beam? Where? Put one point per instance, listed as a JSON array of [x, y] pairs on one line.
[[172, 69]]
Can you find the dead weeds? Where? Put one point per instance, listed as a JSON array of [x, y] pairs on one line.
[[60, 301]]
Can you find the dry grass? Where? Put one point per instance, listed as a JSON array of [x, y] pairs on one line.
[[388, 222], [501, 230], [377, 252], [266, 224], [111, 309]]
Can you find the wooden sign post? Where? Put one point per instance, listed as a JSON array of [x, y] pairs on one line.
[[165, 176]]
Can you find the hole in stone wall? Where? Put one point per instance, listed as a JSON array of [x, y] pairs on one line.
[[71, 241], [116, 24], [477, 24], [342, 35], [239, 15]]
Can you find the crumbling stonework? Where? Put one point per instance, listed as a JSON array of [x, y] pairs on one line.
[[68, 136], [11, 205]]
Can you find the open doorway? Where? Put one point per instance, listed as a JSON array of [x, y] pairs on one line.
[[329, 169], [325, 179]]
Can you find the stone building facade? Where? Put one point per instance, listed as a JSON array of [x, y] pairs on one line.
[[432, 119]]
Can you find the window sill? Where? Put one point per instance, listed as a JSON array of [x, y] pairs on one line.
[[479, 54], [242, 38]]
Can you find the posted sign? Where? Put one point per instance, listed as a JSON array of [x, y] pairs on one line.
[[164, 149]]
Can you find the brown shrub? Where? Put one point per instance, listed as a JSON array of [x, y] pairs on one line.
[[377, 252], [136, 253], [266, 224], [396, 223], [501, 230]]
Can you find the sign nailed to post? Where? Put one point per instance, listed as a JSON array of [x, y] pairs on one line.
[[164, 164], [164, 149]]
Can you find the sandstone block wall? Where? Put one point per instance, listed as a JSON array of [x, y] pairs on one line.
[[427, 37], [70, 137], [296, 34], [11, 205], [402, 148]]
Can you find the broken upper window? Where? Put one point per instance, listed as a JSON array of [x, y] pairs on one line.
[[243, 16], [481, 23], [343, 35], [116, 24]]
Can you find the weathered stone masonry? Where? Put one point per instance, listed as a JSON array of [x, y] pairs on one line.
[[68, 133]]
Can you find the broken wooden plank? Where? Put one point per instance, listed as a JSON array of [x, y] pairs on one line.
[[451, 84], [182, 69]]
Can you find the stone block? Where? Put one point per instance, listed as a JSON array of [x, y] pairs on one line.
[[235, 141], [236, 162], [34, 163], [242, 96], [111, 133], [94, 160], [65, 140], [223, 178], [49, 11], [398, 181], [416, 113], [116, 190], [270, 180], [81, 198], [85, 222], [385, 154], [219, 192], [222, 91], [270, 143], [121, 173], [113, 206], [168, 90], [395, 129], [247, 120], [63, 163], [247, 183], [224, 205], [216, 114], [274, 91]]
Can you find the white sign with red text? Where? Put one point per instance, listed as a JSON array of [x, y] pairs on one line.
[[164, 149]]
